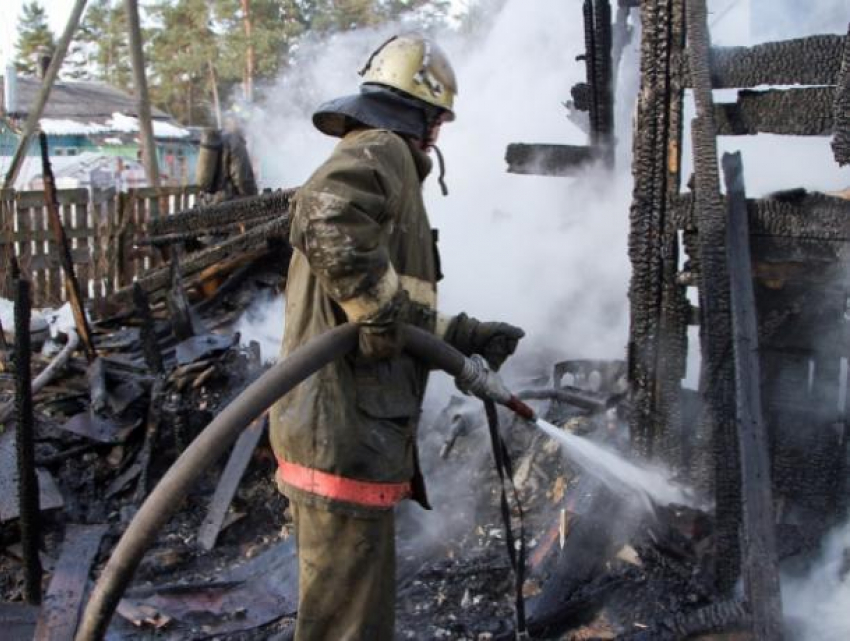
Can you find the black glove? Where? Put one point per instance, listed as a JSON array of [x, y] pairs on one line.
[[380, 335], [494, 341]]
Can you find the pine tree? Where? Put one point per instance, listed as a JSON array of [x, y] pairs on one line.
[[103, 44], [182, 55], [33, 36]]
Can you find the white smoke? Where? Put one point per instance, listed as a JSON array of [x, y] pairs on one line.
[[548, 254], [817, 604]]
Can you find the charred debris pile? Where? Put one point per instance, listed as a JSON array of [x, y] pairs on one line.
[[90, 425]]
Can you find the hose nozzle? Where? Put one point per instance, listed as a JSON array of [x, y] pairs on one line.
[[476, 378]]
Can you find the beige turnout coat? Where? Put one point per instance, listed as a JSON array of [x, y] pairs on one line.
[[359, 231]]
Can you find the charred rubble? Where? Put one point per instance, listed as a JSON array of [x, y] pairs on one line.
[[93, 421]]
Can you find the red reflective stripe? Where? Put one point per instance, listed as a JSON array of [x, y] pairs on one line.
[[342, 489]]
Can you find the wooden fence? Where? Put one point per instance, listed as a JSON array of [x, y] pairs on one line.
[[103, 227]]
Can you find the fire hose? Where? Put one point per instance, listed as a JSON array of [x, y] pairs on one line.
[[471, 374]]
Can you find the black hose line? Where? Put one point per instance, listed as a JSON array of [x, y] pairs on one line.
[[214, 441]]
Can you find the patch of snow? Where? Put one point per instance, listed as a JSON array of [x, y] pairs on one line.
[[68, 127], [130, 124]]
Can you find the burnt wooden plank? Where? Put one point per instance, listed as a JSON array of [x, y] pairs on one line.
[[841, 110], [548, 160], [49, 496], [760, 562], [793, 112], [796, 214], [60, 611], [814, 60], [18, 620], [717, 377], [229, 482]]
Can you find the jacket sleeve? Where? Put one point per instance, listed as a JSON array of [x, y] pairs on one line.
[[342, 217]]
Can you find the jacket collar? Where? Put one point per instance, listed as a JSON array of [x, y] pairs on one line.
[[423, 161]]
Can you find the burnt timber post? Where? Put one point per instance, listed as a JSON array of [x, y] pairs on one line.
[[759, 558], [61, 242], [28, 492], [659, 309], [717, 375]]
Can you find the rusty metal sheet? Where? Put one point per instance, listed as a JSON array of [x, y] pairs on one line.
[[98, 428], [198, 347], [229, 482], [17, 621], [254, 594], [60, 611], [50, 498]]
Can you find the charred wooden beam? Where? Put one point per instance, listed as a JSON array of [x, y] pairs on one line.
[[147, 332], [179, 309], [794, 112], [223, 216], [548, 160], [255, 240], [229, 482], [814, 60], [72, 286], [796, 214], [58, 618], [28, 490], [759, 558], [716, 375], [841, 109], [657, 326]]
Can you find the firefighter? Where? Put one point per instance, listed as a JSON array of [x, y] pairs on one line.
[[224, 170], [364, 252]]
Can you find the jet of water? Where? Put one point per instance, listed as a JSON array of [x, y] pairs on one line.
[[618, 474]]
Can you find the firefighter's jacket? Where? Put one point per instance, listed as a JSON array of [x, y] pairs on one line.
[[345, 438]]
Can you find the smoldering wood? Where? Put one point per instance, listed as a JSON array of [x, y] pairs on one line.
[[60, 614], [28, 489], [208, 219], [655, 357], [548, 160], [147, 332], [716, 375], [180, 313], [760, 563], [796, 214], [237, 463], [794, 112], [841, 109], [814, 60], [152, 423], [235, 249], [96, 376]]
